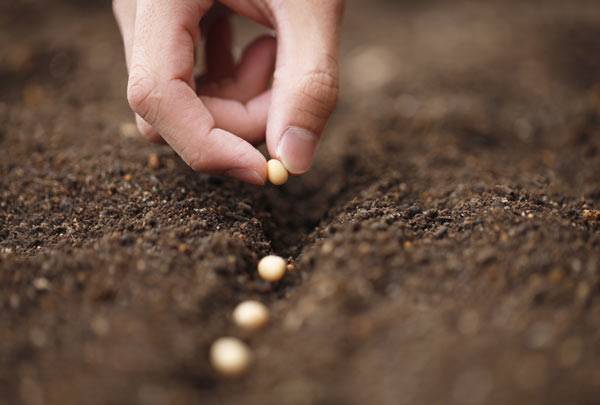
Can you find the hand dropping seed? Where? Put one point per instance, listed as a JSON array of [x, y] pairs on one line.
[[271, 268], [230, 357], [276, 172], [251, 315]]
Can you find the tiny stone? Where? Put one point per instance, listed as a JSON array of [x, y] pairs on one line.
[[271, 268], [591, 215], [153, 161], [276, 172], [327, 247], [140, 265], [251, 315], [364, 248], [556, 276], [100, 326], [230, 357], [41, 284], [128, 130]]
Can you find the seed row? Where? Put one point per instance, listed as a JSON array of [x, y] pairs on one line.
[[230, 356]]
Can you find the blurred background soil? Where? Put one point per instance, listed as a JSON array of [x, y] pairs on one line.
[[445, 249]]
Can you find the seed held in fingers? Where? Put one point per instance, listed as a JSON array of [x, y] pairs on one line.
[[276, 172], [271, 268], [251, 315], [230, 357]]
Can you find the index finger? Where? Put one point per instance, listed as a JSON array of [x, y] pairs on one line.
[[160, 91]]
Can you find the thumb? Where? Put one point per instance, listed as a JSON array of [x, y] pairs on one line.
[[305, 86]]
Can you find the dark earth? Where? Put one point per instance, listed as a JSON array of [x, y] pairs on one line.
[[445, 248]]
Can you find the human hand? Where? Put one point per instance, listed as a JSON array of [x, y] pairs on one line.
[[214, 123]]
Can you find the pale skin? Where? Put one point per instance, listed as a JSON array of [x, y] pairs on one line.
[[214, 123]]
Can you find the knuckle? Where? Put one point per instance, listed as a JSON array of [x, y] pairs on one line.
[[320, 88], [142, 94]]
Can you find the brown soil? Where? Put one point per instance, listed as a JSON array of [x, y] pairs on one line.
[[445, 248]]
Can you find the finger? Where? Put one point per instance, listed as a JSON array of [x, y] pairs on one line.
[[219, 57], [252, 75], [255, 71], [124, 11], [147, 131], [247, 120], [305, 86], [241, 105], [160, 91]]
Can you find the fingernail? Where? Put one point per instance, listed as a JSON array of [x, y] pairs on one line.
[[296, 149], [247, 175]]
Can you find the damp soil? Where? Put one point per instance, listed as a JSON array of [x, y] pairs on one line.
[[445, 248]]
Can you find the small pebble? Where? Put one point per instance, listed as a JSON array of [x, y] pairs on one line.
[[271, 268], [100, 326], [251, 315], [41, 284], [591, 215], [230, 357], [327, 247], [128, 130], [153, 161], [276, 172], [33, 95]]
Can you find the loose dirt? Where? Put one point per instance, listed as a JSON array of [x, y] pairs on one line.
[[444, 249]]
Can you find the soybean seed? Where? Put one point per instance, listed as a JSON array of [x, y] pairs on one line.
[[271, 268], [230, 357], [251, 315], [276, 172]]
